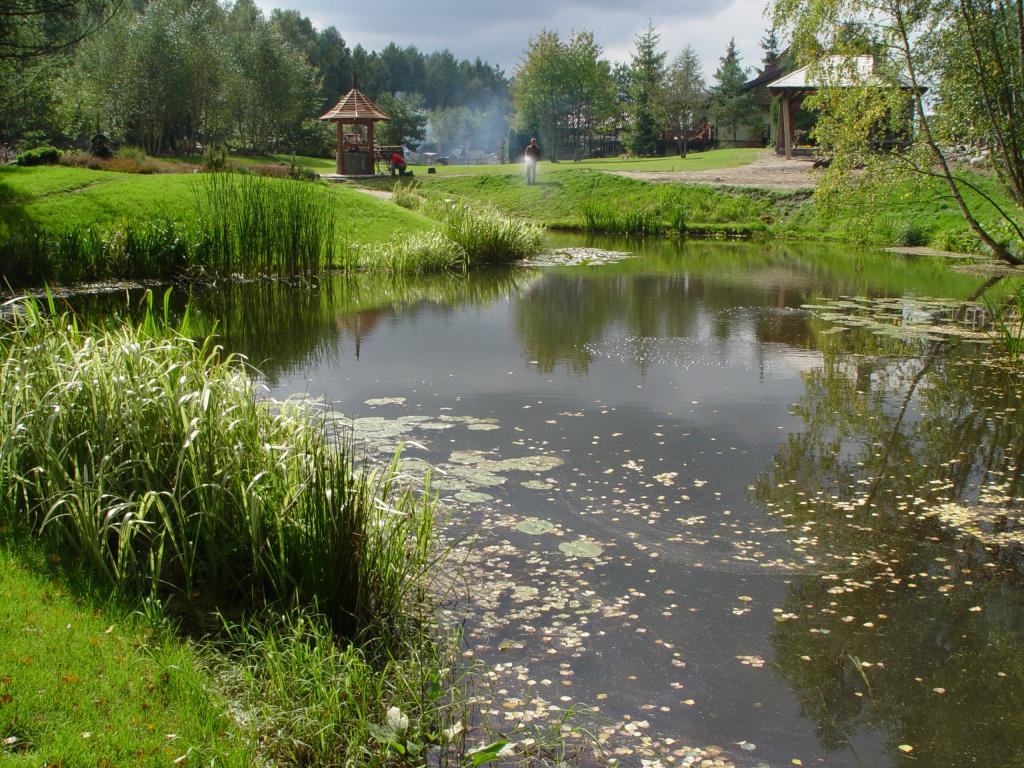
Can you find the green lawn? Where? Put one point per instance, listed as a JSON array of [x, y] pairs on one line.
[[698, 161], [558, 197], [84, 683], [58, 199]]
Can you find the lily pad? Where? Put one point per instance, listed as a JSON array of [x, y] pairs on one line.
[[535, 526], [473, 497], [385, 401], [581, 548]]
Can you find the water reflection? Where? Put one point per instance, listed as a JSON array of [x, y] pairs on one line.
[[759, 485], [901, 630]]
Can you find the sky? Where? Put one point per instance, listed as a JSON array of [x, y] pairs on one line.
[[498, 31]]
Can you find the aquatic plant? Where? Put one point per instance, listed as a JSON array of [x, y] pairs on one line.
[[147, 458], [602, 217], [427, 252], [489, 237], [254, 224]]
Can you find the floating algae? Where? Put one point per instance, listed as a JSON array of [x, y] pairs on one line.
[[385, 401], [473, 497]]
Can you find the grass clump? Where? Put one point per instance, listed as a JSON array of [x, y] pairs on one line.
[[146, 458], [489, 237], [427, 252], [603, 217]]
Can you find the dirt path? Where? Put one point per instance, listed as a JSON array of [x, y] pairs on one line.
[[767, 171]]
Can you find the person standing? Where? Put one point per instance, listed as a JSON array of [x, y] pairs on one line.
[[532, 158]]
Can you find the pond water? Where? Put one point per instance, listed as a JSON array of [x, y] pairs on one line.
[[737, 526]]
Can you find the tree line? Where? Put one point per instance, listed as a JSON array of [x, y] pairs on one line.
[[171, 75], [581, 104]]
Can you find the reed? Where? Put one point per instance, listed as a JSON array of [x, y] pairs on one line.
[[601, 217], [427, 252], [254, 224], [147, 458]]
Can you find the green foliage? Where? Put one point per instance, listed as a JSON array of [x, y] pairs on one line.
[[489, 237], [166, 476], [646, 108], [215, 158], [408, 120], [38, 156], [565, 89], [730, 104], [685, 94], [260, 225]]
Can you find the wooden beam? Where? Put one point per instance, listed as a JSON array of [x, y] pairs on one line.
[[339, 163], [787, 126]]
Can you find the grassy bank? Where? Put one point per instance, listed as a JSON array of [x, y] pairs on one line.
[[910, 211], [588, 199], [67, 225], [144, 461]]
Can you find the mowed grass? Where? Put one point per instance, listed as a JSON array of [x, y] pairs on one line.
[[561, 199], [84, 682], [695, 161], [59, 199]]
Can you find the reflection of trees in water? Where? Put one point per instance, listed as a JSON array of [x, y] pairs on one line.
[[280, 326], [960, 433], [565, 312]]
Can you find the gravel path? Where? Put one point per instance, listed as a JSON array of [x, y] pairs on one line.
[[768, 170]]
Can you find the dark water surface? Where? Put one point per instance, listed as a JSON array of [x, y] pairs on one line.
[[741, 525]]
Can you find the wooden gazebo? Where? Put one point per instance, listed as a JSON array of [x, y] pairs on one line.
[[832, 71], [356, 149]]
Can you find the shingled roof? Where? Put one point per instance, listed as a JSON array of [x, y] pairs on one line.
[[354, 106]]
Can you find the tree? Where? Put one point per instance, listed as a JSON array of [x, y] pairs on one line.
[[34, 28], [770, 46], [408, 122], [537, 89], [589, 90], [731, 105], [647, 87], [685, 95], [969, 55]]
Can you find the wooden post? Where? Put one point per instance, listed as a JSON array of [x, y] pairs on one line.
[[340, 162], [373, 150], [787, 127]]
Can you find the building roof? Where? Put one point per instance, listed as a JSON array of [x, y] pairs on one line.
[[354, 106], [837, 71]]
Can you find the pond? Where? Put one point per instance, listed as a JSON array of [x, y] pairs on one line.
[[738, 526]]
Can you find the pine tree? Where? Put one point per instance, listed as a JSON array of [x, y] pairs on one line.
[[731, 105], [685, 96], [647, 88], [770, 46]]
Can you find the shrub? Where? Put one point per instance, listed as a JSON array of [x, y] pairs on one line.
[[99, 146], [407, 195], [958, 239], [133, 153], [215, 158], [45, 155], [909, 233]]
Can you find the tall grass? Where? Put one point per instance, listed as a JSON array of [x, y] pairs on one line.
[[468, 237], [254, 224], [244, 224], [489, 237], [608, 218], [147, 458], [139, 249]]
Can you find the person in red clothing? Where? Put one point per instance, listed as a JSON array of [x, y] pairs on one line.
[[532, 157], [397, 164]]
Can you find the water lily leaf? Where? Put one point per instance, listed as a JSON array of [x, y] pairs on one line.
[[535, 526], [581, 548], [473, 497]]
